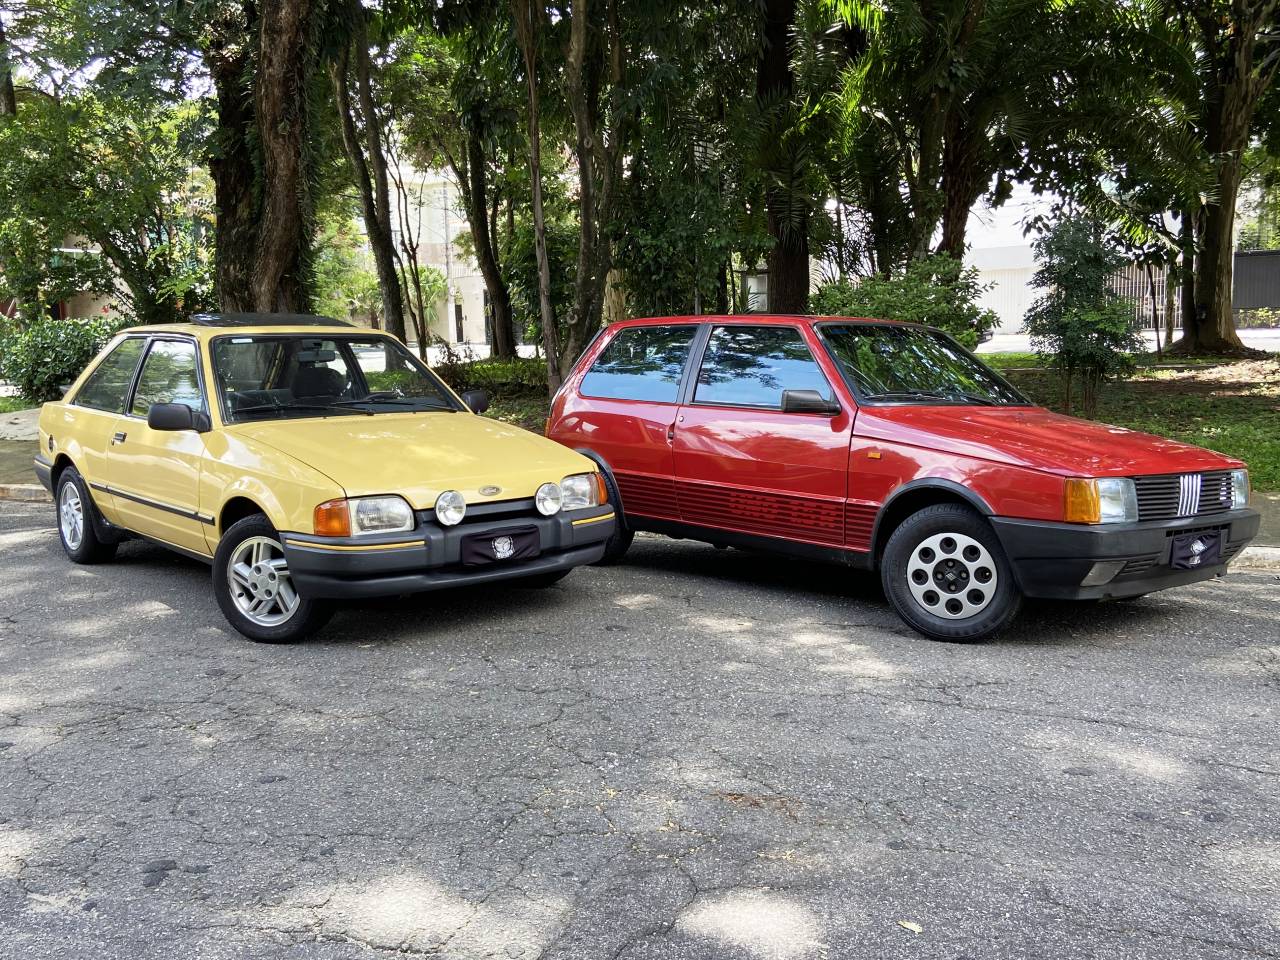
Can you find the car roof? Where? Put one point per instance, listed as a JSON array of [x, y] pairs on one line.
[[757, 318], [206, 325]]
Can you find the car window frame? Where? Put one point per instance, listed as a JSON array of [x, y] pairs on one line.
[[146, 355], [860, 396], [695, 348], [799, 328], [75, 400], [342, 338]]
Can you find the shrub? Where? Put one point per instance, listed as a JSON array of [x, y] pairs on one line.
[[939, 291], [1079, 326], [45, 355], [498, 377]]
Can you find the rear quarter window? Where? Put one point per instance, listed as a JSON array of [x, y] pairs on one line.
[[641, 363], [108, 386]]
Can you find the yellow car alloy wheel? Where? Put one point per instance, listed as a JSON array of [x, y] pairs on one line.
[[259, 581], [71, 515]]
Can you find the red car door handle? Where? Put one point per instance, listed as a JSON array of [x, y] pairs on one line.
[[671, 432]]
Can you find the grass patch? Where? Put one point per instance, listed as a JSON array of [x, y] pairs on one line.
[[14, 404], [1005, 361], [1233, 408], [523, 408]]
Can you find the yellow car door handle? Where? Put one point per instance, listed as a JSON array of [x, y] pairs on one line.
[[119, 438]]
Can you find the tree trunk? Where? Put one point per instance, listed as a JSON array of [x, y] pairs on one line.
[[370, 168], [599, 169], [526, 19], [381, 242], [8, 99], [963, 179], [788, 260], [1234, 82], [285, 62], [1187, 270], [232, 169], [483, 240]]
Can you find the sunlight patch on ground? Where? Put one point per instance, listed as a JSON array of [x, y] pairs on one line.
[[723, 626], [763, 923], [16, 847], [1147, 763], [412, 912], [638, 601], [18, 538]]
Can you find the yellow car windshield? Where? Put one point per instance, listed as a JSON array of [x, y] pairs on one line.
[[295, 375]]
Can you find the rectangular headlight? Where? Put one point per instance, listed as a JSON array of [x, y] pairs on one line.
[[1117, 500], [1239, 488], [579, 491], [380, 515], [1108, 500]]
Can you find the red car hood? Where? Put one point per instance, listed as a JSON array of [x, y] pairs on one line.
[[1036, 438]]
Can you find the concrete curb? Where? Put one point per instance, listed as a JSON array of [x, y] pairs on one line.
[[1258, 558], [29, 492]]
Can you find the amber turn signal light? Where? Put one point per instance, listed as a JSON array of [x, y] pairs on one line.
[[1082, 502], [332, 519], [603, 488]]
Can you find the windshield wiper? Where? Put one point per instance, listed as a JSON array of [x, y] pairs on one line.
[[974, 398], [421, 402], [909, 394], [293, 405], [954, 395]]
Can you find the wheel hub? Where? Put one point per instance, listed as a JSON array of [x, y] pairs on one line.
[[259, 581], [952, 575], [71, 515]]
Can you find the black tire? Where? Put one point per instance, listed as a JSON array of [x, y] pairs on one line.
[[955, 549], [308, 616], [90, 546], [538, 581], [619, 542]]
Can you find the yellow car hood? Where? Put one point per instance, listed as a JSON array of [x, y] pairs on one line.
[[418, 455]]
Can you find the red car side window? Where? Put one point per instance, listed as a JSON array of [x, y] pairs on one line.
[[751, 367], [641, 363]]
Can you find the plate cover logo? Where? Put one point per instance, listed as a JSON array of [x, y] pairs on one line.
[[503, 547]]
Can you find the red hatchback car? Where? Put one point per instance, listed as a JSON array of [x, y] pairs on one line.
[[887, 445]]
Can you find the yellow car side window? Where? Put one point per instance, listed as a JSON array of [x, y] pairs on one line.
[[108, 386], [168, 376]]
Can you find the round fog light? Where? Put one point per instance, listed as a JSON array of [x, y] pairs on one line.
[[450, 508], [548, 499]]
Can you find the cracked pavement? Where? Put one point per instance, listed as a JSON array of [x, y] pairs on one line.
[[698, 754]]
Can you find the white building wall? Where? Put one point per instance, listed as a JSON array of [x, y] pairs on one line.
[[1008, 271]]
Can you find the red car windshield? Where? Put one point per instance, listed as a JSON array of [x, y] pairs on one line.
[[891, 363]]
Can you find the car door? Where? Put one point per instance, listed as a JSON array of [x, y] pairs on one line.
[[742, 462], [96, 418], [154, 475], [625, 410]]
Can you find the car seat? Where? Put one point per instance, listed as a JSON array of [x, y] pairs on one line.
[[316, 382]]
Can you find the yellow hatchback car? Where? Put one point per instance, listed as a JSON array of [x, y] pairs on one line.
[[309, 461]]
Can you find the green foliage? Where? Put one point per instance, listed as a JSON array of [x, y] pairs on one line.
[[346, 283], [93, 189], [938, 291], [1079, 326], [1232, 408], [498, 377], [45, 355]]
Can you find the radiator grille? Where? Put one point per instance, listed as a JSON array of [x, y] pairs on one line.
[[1169, 496]]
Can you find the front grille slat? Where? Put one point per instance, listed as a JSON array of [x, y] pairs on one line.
[[1174, 495]]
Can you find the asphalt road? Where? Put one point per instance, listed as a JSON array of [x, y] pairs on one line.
[[700, 754]]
